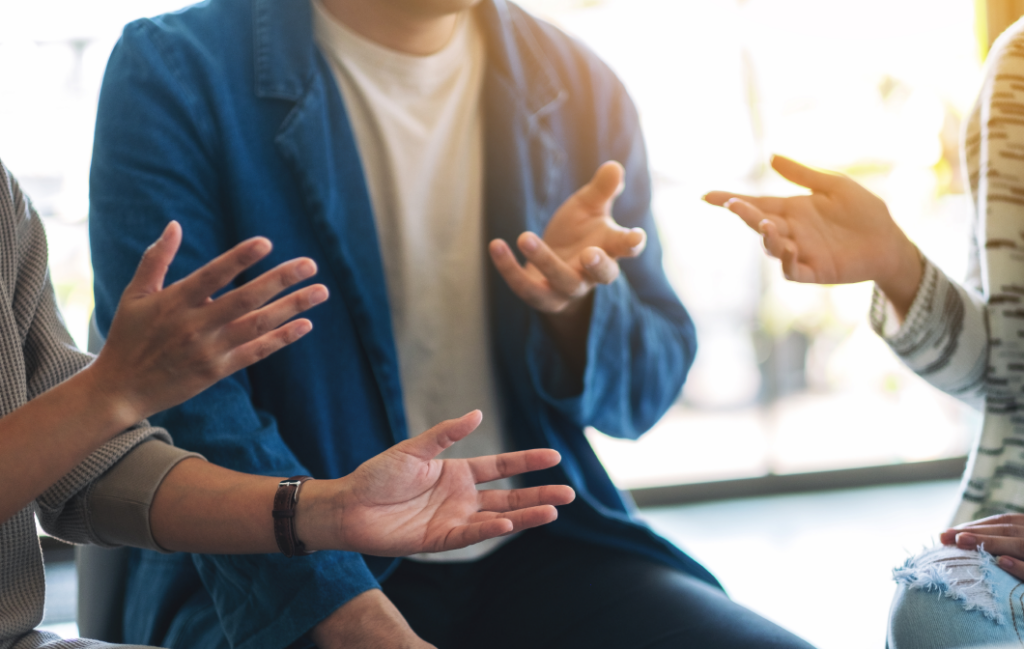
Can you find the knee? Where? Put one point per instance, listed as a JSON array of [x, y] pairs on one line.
[[947, 597]]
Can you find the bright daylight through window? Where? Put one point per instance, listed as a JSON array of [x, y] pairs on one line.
[[789, 377]]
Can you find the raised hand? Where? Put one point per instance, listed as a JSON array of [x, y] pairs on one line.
[[168, 344], [1001, 535], [840, 234], [579, 250], [406, 501]]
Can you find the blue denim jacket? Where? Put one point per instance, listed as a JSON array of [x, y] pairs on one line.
[[226, 117]]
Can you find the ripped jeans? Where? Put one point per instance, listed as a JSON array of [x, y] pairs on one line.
[[952, 598]]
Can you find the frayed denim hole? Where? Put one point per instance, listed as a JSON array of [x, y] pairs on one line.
[[961, 575]]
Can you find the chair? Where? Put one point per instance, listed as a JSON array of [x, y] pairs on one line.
[[102, 572]]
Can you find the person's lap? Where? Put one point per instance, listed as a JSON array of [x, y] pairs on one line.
[[543, 591], [953, 599]]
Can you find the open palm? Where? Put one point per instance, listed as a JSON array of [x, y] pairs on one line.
[[406, 501], [840, 234]]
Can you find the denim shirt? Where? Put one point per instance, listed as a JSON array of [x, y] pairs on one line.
[[226, 117]]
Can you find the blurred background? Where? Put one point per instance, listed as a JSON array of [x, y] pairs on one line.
[[790, 380]]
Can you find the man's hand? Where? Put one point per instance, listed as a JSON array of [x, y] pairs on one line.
[[1001, 535], [367, 621], [405, 501], [840, 234], [579, 250]]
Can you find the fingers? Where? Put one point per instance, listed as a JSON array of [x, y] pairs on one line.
[[767, 204], [606, 184], [245, 355], [259, 291], [562, 278], [1005, 521], [149, 276], [506, 465], [1011, 565], [998, 545], [598, 267], [488, 525], [507, 500], [538, 294], [265, 320], [1001, 535], [750, 213], [215, 275], [813, 179], [463, 535], [620, 242], [524, 519], [429, 444]]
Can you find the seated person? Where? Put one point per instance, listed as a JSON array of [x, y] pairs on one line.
[[391, 140], [76, 451], [964, 339]]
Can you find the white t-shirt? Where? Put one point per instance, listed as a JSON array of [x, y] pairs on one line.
[[418, 126]]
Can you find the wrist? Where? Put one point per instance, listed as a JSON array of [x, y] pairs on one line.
[[110, 402], [319, 514], [900, 284]]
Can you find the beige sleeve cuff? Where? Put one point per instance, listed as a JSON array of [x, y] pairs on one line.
[[119, 501]]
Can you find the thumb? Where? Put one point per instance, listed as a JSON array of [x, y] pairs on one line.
[[606, 184], [149, 276], [428, 445], [813, 179]]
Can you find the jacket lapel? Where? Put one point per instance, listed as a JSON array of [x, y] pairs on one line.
[[522, 172], [317, 142]]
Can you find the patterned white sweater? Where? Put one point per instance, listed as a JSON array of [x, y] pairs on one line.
[[968, 340], [106, 498]]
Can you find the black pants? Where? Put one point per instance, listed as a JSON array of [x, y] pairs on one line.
[[544, 592]]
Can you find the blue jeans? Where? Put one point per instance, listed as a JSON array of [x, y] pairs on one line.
[[541, 591], [952, 598]]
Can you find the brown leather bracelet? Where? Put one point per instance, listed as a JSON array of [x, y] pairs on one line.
[[285, 501]]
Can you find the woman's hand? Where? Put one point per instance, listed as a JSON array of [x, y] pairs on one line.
[[167, 345], [406, 501], [840, 234], [1001, 535]]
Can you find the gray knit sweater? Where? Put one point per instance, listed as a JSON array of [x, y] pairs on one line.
[[94, 503]]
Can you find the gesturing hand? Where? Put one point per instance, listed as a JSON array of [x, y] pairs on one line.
[[840, 234], [579, 250], [168, 344], [405, 501], [1001, 535]]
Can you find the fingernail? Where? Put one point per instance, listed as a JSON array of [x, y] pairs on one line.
[[530, 242], [590, 259], [704, 197], [965, 539], [762, 225], [1005, 562], [728, 204]]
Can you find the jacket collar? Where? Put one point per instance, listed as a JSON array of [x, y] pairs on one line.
[[286, 53]]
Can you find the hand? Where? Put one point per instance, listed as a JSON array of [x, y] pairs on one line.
[[405, 501], [1001, 535], [367, 621], [168, 344], [580, 247], [840, 234]]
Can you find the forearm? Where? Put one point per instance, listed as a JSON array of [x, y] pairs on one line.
[[46, 438], [204, 508], [900, 279]]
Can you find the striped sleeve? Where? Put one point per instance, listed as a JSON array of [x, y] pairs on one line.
[[944, 338]]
